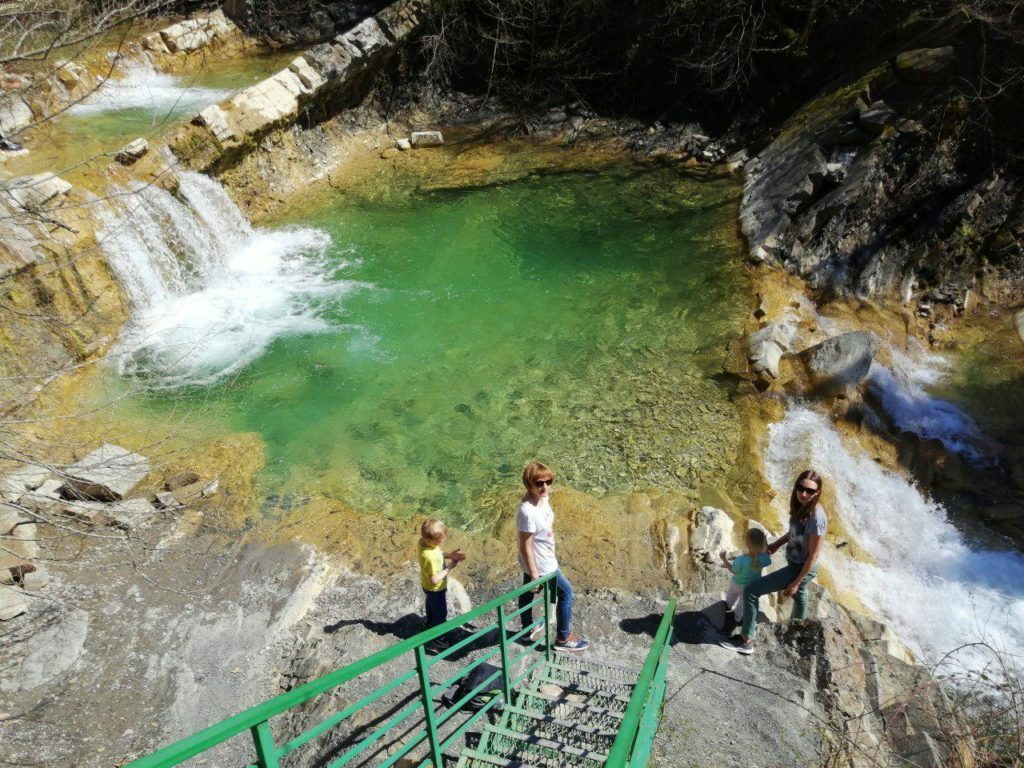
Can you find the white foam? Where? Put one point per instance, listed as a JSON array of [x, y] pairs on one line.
[[902, 392], [136, 85], [209, 291], [927, 582]]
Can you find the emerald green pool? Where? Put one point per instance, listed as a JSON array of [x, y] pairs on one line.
[[579, 319]]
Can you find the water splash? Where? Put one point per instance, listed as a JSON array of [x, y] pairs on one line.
[[140, 86], [902, 391], [926, 581], [209, 291]]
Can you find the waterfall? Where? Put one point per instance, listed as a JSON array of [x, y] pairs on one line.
[[209, 292], [926, 580], [901, 390], [140, 86]]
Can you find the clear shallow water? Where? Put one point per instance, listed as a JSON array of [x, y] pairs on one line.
[[578, 318]]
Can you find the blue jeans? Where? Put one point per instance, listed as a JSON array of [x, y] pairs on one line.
[[563, 604], [774, 582], [437, 607]]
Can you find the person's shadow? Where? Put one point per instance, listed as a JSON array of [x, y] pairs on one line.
[[708, 626], [403, 628], [411, 625]]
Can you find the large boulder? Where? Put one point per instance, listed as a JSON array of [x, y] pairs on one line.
[[107, 474], [837, 365], [925, 65], [766, 347], [1018, 323]]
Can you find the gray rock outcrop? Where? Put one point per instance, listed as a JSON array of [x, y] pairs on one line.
[[1018, 323], [107, 474], [837, 365]]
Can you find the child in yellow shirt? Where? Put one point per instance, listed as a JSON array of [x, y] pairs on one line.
[[434, 572]]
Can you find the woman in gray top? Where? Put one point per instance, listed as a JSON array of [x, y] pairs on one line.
[[807, 525]]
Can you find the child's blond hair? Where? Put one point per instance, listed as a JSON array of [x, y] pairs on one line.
[[757, 541], [432, 533]]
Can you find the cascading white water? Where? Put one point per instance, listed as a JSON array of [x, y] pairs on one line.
[[901, 389], [209, 291], [927, 581], [140, 86]]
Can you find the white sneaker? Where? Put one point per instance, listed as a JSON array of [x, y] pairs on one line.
[[536, 633]]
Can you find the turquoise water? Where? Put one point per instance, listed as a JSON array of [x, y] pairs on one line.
[[580, 319]]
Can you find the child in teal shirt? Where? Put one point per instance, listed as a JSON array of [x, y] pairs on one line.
[[745, 569]]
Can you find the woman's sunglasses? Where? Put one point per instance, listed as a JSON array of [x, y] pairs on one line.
[[805, 489], [542, 483]]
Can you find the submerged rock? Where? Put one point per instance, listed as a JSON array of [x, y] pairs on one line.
[[837, 365]]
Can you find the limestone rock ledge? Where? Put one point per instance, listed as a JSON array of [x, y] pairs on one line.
[[321, 81]]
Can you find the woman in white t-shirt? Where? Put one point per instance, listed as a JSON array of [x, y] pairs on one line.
[[535, 526]]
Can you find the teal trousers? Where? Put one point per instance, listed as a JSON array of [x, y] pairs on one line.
[[775, 582]]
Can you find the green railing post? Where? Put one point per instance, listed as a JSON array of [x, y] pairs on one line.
[[428, 706], [263, 739], [547, 618], [503, 641]]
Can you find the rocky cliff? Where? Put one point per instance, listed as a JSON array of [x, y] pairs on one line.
[[894, 184]]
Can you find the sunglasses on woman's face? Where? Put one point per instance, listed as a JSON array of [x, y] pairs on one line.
[[542, 483], [805, 489]]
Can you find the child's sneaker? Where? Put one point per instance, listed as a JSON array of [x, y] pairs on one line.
[[738, 644], [572, 644]]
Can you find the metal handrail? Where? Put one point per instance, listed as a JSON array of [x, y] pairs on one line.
[[256, 719], [632, 745]]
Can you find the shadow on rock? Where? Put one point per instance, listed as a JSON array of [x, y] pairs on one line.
[[708, 626], [403, 628]]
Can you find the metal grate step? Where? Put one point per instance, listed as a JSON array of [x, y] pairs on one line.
[[472, 758], [537, 750], [575, 734], [571, 711]]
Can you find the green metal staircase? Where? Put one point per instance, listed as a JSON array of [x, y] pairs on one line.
[[567, 714], [555, 709]]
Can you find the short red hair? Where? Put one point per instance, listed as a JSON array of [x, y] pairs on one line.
[[536, 471]]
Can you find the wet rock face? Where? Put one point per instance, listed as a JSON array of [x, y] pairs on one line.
[[879, 189]]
